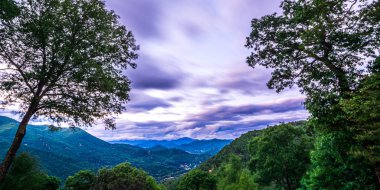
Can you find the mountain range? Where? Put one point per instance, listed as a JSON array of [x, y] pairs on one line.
[[62, 153], [193, 146]]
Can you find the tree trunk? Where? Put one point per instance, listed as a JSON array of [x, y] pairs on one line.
[[5, 165]]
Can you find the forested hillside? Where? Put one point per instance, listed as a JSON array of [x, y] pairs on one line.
[[71, 63], [66, 151], [238, 147]]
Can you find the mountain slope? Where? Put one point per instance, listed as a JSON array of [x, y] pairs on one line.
[[237, 147], [66, 151]]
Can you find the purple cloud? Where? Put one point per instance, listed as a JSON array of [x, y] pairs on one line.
[[234, 113], [141, 16], [143, 102], [192, 79], [153, 74]]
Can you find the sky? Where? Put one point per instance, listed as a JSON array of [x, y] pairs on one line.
[[192, 79]]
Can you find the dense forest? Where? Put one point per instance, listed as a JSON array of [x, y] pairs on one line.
[[329, 49]]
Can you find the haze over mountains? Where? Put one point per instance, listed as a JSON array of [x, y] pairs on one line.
[[62, 153], [194, 146]]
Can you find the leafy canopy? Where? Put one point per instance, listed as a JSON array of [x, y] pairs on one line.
[[280, 156], [83, 180], [197, 180], [64, 59], [124, 177], [25, 173], [318, 45], [234, 176], [8, 9], [332, 167]]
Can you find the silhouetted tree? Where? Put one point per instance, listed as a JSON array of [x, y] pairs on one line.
[[64, 60]]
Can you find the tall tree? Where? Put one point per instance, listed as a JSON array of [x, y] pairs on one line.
[[318, 45], [64, 60], [321, 46]]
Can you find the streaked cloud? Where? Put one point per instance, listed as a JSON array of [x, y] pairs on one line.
[[192, 79]]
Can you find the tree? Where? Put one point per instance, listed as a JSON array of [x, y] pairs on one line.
[[363, 110], [234, 176], [280, 156], [318, 45], [124, 177], [321, 46], [83, 180], [8, 9], [333, 167], [64, 61], [197, 180], [25, 173]]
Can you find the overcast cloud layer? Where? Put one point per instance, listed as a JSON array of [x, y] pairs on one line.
[[192, 79]]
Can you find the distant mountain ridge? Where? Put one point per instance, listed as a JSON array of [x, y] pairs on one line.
[[64, 152], [152, 143], [194, 146]]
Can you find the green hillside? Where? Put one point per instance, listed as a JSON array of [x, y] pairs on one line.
[[64, 152], [238, 147]]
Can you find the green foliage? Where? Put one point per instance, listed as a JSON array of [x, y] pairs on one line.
[[363, 109], [26, 174], [315, 44], [171, 184], [348, 158], [121, 177], [197, 180], [65, 60], [321, 46], [83, 180], [234, 176], [333, 167], [8, 9], [280, 156], [238, 147], [124, 177]]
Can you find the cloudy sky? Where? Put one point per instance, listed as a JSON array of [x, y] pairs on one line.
[[192, 79]]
